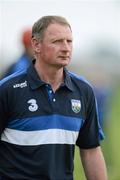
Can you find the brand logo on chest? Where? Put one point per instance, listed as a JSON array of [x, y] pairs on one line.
[[20, 85], [33, 105]]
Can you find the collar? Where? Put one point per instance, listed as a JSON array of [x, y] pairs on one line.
[[36, 82], [67, 81]]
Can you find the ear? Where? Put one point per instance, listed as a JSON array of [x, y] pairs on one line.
[[36, 45]]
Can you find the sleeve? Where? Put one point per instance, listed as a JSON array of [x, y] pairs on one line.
[[91, 132], [3, 110]]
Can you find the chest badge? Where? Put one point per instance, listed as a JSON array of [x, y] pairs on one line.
[[33, 105], [76, 105]]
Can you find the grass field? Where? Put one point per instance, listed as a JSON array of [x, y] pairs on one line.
[[110, 146]]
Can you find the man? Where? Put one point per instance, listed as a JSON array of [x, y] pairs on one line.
[[25, 59], [46, 110]]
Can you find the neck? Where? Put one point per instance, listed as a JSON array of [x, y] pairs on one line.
[[50, 75]]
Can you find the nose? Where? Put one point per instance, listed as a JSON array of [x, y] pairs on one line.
[[66, 46]]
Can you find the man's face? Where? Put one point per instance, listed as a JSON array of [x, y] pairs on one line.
[[56, 47]]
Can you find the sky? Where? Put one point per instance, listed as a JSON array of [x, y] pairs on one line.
[[91, 20]]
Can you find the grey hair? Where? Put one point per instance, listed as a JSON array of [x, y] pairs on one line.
[[41, 25]]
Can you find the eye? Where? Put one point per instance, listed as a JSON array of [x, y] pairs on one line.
[[58, 41], [69, 41]]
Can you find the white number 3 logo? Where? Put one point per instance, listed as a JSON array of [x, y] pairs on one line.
[[33, 105]]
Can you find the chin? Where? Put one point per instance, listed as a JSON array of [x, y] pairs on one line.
[[61, 65], [65, 62]]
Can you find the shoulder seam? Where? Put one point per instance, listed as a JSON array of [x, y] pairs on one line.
[[12, 76], [82, 78]]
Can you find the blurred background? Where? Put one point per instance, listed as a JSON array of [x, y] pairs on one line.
[[96, 56]]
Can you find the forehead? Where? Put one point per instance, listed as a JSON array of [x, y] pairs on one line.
[[58, 30]]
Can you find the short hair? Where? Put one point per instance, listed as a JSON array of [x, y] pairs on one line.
[[41, 25]]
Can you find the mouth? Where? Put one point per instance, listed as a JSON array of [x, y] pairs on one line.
[[64, 57]]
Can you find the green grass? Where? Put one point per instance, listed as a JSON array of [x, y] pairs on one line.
[[78, 170], [113, 160], [110, 146]]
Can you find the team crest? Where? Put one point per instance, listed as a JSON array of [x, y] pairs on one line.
[[76, 105]]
